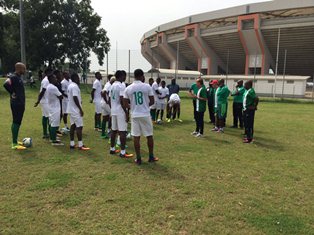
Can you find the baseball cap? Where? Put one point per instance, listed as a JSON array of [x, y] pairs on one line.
[[214, 82]]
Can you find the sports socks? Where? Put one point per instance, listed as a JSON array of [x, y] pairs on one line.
[[45, 125], [103, 127], [53, 133], [15, 132]]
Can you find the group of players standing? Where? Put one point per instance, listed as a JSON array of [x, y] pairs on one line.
[[216, 95]]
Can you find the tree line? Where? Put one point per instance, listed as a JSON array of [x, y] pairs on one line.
[[56, 32]]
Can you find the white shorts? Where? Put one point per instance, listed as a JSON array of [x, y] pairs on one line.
[[64, 106], [141, 126], [160, 106], [45, 110], [98, 109], [54, 119], [118, 122], [106, 111], [76, 119]]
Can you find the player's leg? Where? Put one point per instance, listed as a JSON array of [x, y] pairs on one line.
[[201, 122], [146, 127], [137, 147], [55, 123], [72, 132], [105, 119], [235, 116], [114, 131], [194, 109], [17, 114], [123, 130], [162, 112], [240, 108], [45, 120]]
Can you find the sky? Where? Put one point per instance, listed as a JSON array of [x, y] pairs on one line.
[[126, 22]]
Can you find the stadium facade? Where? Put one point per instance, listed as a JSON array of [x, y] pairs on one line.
[[245, 40]]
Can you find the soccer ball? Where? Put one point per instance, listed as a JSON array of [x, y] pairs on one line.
[[27, 142], [65, 131], [159, 121]]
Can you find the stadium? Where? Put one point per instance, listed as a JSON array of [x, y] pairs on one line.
[[268, 38]]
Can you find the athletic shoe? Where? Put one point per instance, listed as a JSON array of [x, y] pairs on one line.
[[138, 161], [105, 136], [199, 135], [57, 143], [215, 129], [73, 147], [154, 159], [84, 148], [20, 143], [179, 120], [194, 133], [46, 137], [18, 147], [112, 152], [126, 155], [247, 141]]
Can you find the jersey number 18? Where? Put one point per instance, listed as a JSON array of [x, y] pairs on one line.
[[138, 96]]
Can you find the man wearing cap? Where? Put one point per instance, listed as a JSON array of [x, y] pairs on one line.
[[238, 105], [213, 85], [221, 106], [250, 102]]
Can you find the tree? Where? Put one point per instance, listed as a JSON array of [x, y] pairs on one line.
[[59, 31]]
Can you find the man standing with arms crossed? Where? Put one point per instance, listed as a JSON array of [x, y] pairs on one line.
[[15, 86], [238, 105], [119, 116], [139, 97]]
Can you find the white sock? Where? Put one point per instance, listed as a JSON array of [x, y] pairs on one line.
[[112, 148], [72, 143], [118, 141], [123, 152], [80, 143]]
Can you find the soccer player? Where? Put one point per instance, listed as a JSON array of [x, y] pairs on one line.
[[76, 112], [221, 106], [65, 84], [238, 105], [96, 99], [250, 103], [201, 99], [15, 86], [105, 104], [42, 99], [193, 92], [140, 97], [54, 96], [161, 102], [211, 90], [119, 116], [152, 107], [174, 88], [155, 87], [174, 108]]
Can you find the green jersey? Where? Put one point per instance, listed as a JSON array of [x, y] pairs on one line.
[[201, 104], [249, 98], [194, 89], [222, 94], [238, 95]]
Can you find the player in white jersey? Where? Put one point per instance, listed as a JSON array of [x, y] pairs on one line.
[[174, 107], [54, 96], [96, 99], [119, 116], [161, 101], [64, 85], [139, 97], [42, 99], [155, 87], [105, 105], [76, 112]]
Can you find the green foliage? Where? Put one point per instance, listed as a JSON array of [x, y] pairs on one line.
[[56, 31]]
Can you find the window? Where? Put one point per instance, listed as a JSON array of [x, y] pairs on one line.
[[290, 81]]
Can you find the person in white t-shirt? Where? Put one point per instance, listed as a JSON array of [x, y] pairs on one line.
[[155, 87], [76, 112], [139, 97], [42, 99], [119, 116], [53, 97], [96, 99], [105, 105], [174, 107], [64, 85], [161, 101]]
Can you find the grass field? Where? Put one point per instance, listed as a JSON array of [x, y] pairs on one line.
[[214, 185]]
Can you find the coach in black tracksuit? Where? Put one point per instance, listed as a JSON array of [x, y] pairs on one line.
[[15, 86]]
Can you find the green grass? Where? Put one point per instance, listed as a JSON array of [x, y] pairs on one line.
[[214, 185]]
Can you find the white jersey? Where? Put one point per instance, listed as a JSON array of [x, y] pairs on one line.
[[138, 93], [43, 85], [174, 98], [53, 95], [74, 90], [155, 87], [117, 90], [64, 86], [98, 87], [163, 92]]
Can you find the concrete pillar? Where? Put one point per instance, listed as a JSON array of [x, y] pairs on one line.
[[256, 50], [155, 59], [208, 60]]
